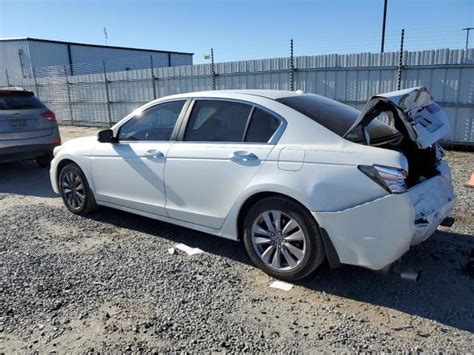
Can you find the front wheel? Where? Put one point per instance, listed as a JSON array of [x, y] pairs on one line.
[[283, 239], [75, 190]]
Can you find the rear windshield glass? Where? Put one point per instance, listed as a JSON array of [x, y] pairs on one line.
[[335, 115], [19, 101]]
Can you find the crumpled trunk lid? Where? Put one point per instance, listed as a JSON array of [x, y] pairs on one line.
[[414, 112]]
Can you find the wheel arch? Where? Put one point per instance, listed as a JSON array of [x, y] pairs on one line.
[[331, 253], [61, 164], [254, 198], [67, 160]]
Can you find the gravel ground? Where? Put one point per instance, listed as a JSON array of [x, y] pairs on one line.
[[108, 283]]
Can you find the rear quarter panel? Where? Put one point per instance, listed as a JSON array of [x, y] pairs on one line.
[[325, 177]]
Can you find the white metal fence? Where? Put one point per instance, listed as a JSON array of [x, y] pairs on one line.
[[103, 99]]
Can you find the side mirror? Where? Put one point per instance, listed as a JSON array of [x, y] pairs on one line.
[[106, 136]]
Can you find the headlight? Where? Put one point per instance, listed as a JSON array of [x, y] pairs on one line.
[[390, 178]]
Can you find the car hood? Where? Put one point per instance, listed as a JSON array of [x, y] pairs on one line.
[[413, 111], [80, 141], [84, 145]]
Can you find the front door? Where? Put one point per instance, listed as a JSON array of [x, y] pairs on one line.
[[130, 172]]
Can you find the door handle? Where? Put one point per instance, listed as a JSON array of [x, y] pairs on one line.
[[153, 153], [243, 156]]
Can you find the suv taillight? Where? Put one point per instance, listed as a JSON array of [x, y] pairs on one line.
[[50, 116]]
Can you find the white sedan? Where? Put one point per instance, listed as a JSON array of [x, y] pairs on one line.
[[298, 177]]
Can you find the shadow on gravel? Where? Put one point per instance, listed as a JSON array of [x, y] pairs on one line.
[[209, 243], [444, 294], [25, 178]]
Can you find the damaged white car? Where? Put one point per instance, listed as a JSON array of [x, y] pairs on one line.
[[299, 178]]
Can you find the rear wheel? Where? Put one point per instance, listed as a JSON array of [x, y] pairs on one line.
[[283, 239], [75, 190], [45, 160]]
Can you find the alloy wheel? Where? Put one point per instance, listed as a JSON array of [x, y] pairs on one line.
[[278, 240], [73, 190]]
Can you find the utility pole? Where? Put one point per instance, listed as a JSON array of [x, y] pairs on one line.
[[383, 25], [467, 29]]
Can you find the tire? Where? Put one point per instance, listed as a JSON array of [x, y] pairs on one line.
[[75, 191], [45, 160], [296, 238]]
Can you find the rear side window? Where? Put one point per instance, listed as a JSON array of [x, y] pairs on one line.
[[19, 101], [262, 127], [217, 121]]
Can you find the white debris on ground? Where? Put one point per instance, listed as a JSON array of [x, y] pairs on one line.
[[285, 286], [187, 249]]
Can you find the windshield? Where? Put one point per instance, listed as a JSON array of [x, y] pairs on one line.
[[336, 116], [19, 101]]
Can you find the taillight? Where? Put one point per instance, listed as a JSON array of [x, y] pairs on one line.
[[50, 116], [390, 178]]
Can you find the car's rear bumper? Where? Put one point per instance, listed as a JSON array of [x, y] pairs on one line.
[[377, 233], [25, 152], [30, 148]]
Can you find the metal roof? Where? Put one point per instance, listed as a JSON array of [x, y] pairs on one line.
[[89, 45]]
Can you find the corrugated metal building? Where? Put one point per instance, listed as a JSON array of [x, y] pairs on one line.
[[22, 55]]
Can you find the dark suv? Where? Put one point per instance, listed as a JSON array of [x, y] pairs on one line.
[[28, 129]]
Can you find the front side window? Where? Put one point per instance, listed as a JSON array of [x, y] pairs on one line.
[[154, 124], [217, 121]]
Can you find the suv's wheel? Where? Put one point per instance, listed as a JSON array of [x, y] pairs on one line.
[[44, 160], [283, 239], [75, 190]]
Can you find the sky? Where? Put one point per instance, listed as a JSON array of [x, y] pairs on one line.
[[243, 29]]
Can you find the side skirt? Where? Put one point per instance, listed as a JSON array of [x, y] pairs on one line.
[[197, 227]]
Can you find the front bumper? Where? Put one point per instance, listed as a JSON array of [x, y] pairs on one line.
[[379, 232]]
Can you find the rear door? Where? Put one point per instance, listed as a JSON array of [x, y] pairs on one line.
[[222, 146], [23, 116]]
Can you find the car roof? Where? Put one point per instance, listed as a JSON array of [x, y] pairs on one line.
[[12, 88], [269, 94], [15, 91]]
